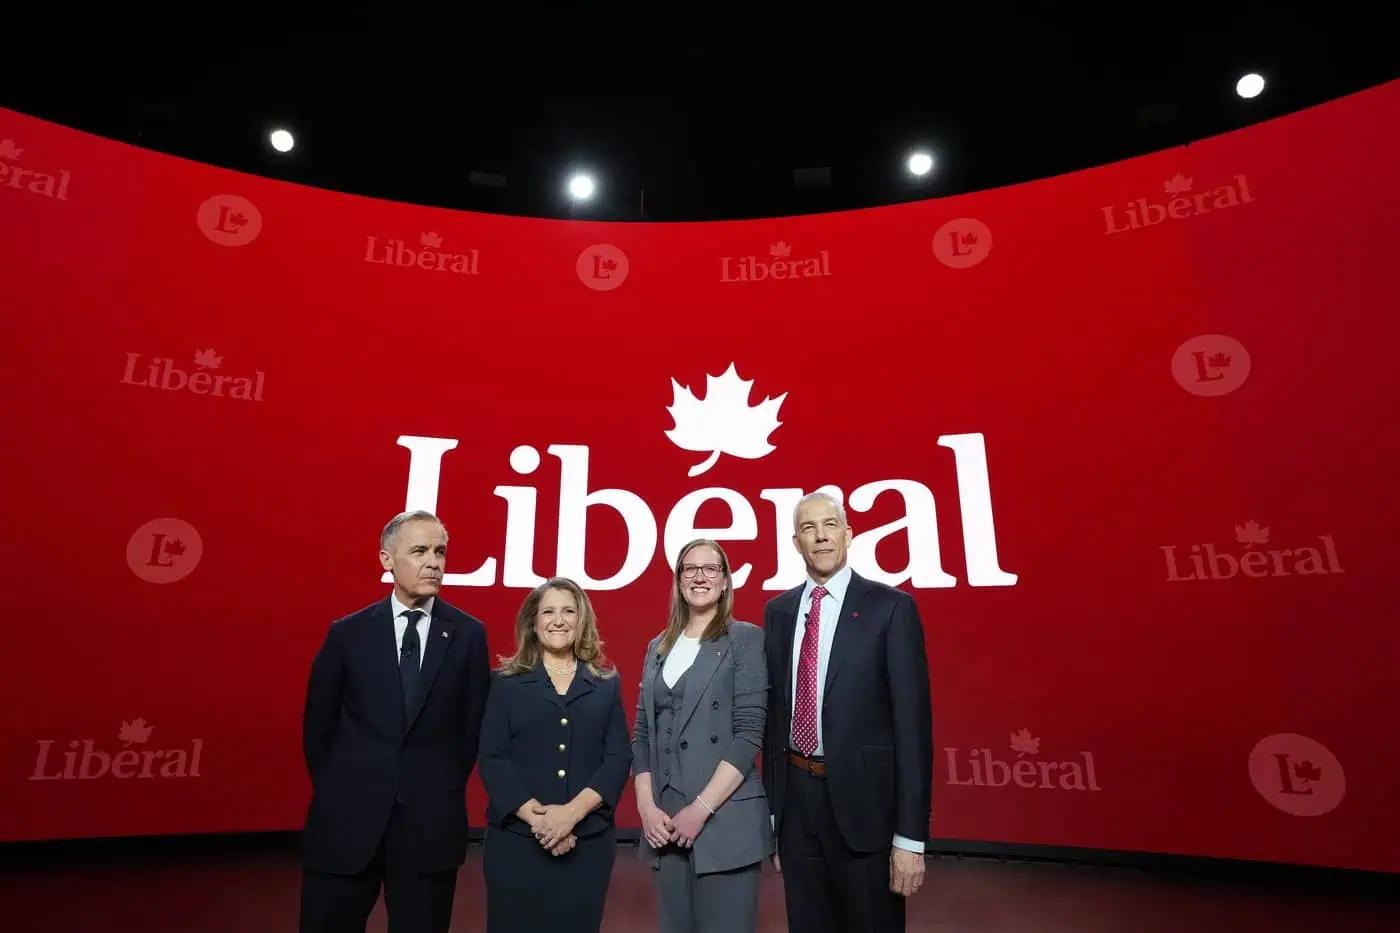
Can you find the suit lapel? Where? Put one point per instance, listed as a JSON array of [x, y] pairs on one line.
[[582, 684], [846, 630], [537, 676], [441, 632], [385, 658], [787, 631], [702, 671], [650, 672]]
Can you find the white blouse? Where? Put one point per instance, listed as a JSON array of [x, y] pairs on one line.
[[682, 655]]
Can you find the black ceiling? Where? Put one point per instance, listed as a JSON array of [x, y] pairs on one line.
[[700, 114]]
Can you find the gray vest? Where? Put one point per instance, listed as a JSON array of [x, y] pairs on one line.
[[668, 702]]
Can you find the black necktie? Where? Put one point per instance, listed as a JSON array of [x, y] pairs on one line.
[[409, 675]]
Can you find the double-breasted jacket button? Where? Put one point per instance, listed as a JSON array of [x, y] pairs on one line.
[[561, 746], [561, 772], [564, 721], [714, 739], [714, 704], [684, 745]]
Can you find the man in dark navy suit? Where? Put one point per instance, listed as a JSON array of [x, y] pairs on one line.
[[848, 752], [390, 731]]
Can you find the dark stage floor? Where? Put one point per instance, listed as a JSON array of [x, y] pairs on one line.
[[251, 883]]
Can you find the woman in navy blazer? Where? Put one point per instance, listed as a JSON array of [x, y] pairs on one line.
[[554, 758]]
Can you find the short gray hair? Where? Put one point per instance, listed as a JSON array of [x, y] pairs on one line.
[[391, 530], [824, 497]]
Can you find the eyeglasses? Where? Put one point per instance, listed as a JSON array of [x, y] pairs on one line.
[[711, 571]]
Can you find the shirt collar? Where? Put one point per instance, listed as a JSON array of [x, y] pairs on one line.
[[399, 608], [836, 586]]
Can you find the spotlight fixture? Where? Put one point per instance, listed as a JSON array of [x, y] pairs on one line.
[[581, 186], [920, 163], [1251, 85]]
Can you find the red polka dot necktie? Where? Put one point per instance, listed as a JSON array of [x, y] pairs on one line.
[[804, 710]]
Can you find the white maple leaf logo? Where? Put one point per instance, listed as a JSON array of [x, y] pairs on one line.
[[723, 423]]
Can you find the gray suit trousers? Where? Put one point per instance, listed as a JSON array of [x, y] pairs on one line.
[[715, 902]]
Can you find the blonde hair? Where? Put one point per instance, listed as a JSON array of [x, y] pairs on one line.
[[588, 646], [680, 609]]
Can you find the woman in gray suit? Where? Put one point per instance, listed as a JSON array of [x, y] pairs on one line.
[[699, 726]]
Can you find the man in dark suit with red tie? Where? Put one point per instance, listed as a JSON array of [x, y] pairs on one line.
[[390, 732], [848, 752]]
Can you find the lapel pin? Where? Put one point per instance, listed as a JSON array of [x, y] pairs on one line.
[[444, 634], [854, 615]]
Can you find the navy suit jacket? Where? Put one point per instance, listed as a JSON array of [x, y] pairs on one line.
[[536, 743], [877, 723], [364, 751]]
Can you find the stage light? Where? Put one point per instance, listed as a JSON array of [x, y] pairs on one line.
[[282, 140], [1251, 85], [920, 163], [581, 186]]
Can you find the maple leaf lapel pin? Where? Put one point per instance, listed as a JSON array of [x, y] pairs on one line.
[[724, 422]]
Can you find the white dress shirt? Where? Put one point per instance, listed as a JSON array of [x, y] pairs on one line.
[[682, 655], [830, 613], [401, 625]]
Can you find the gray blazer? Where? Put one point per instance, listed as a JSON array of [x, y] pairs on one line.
[[721, 719]]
